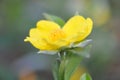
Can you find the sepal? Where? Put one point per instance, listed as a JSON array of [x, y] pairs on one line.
[[48, 52]]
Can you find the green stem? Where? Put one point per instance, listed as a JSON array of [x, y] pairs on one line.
[[62, 65]]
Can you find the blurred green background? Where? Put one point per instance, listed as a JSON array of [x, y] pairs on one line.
[[20, 61]]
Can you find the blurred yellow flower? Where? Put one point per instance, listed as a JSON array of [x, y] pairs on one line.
[[49, 35], [78, 73]]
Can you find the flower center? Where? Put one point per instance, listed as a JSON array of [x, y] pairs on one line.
[[57, 34]]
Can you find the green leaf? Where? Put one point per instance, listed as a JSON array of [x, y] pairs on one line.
[[62, 70], [71, 66], [56, 70], [85, 76], [56, 19]]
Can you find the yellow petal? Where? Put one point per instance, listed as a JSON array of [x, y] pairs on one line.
[[78, 28], [41, 42], [35, 33], [60, 43], [53, 33], [38, 40], [47, 26]]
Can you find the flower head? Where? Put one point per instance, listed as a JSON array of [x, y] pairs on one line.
[[49, 35]]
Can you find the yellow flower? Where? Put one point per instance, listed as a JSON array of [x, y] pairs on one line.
[[49, 35]]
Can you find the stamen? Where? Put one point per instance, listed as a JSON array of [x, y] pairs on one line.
[[57, 34]]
